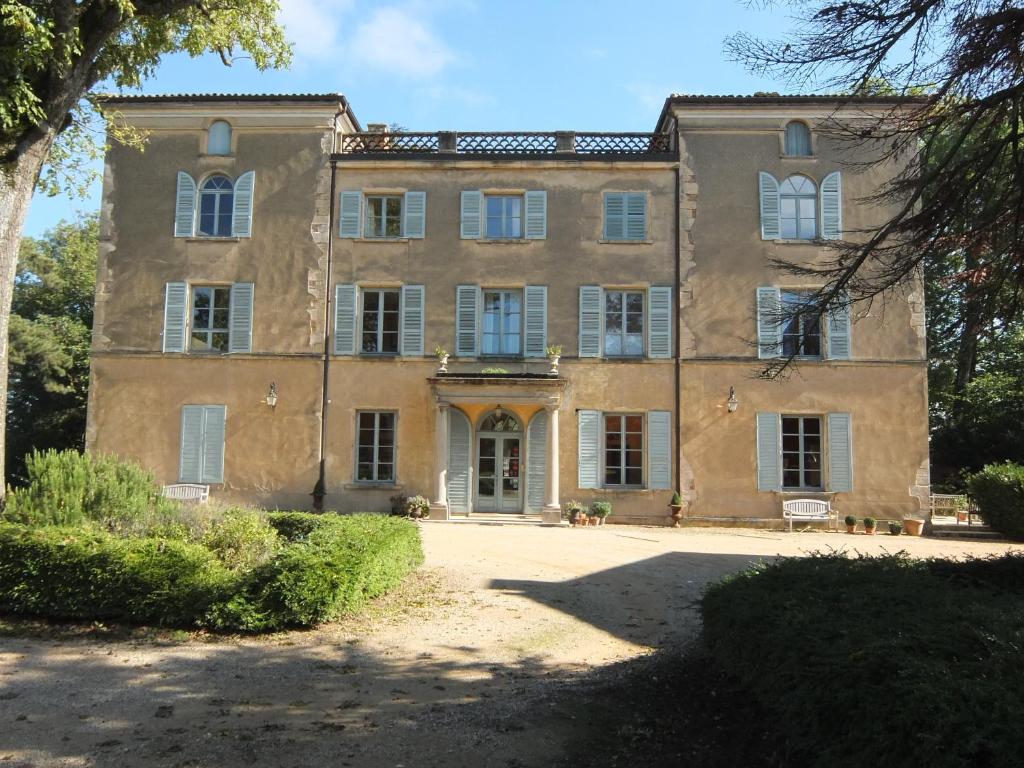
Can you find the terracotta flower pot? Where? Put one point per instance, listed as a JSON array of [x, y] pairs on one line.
[[913, 527], [851, 528], [869, 531]]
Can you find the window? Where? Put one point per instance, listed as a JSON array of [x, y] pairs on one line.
[[503, 314], [375, 452], [798, 139], [801, 452], [216, 205], [380, 322], [218, 139], [798, 208], [383, 216], [623, 323], [211, 307], [504, 216], [801, 333], [623, 449], [625, 216]]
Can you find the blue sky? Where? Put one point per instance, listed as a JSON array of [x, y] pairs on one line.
[[486, 65]]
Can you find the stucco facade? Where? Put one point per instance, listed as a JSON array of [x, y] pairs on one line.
[[309, 274]]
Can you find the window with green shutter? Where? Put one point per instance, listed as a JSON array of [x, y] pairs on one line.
[[625, 216]]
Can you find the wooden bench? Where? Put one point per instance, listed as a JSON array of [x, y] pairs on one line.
[[198, 494], [806, 510]]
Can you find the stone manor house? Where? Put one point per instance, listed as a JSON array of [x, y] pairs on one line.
[[277, 285]]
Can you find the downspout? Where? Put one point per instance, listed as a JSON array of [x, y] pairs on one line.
[[678, 320]]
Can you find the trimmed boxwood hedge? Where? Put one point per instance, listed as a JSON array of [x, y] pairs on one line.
[[999, 491]]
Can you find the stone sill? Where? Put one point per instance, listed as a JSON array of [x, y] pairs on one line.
[[369, 486], [213, 239], [378, 240], [625, 242]]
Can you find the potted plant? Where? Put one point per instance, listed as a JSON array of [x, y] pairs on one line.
[[554, 355], [417, 507], [574, 511], [914, 526], [851, 523], [442, 359], [676, 505], [869, 525], [895, 527], [599, 510]]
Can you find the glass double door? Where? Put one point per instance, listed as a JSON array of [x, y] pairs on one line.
[[499, 474]]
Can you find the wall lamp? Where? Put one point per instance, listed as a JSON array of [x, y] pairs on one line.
[[271, 398], [732, 403]]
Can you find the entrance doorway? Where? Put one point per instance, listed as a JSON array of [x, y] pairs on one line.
[[499, 481]]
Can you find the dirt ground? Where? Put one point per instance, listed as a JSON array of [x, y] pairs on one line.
[[485, 657]]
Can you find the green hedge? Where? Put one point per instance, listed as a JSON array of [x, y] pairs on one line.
[[882, 661], [998, 490]]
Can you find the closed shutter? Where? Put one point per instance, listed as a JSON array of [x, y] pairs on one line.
[[345, 320], [614, 216], [536, 322], [659, 322], [415, 211], [536, 461], [832, 206], [839, 333], [190, 469], [349, 218], [771, 228], [175, 316], [214, 417], [659, 450], [467, 314], [840, 453], [185, 206], [769, 322], [536, 204], [589, 449], [459, 475], [636, 216], [769, 453], [472, 205], [241, 221], [240, 318], [412, 319], [591, 300]]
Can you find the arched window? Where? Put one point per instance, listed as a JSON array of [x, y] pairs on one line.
[[218, 140], [798, 139], [798, 208], [500, 421], [216, 205]]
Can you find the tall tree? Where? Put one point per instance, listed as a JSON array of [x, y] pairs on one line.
[[53, 53]]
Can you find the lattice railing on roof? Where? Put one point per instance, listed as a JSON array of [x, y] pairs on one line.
[[505, 143], [390, 143], [623, 143], [517, 143]]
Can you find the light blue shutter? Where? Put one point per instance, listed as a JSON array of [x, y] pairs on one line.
[[832, 206], [769, 322], [536, 204], [412, 319], [467, 314], [659, 322], [240, 318], [536, 321], [614, 216], [175, 316], [185, 206], [771, 228], [537, 461], [214, 417], [591, 300], [839, 334], [589, 460], [636, 216], [459, 483], [472, 205], [190, 467], [840, 453], [415, 210], [349, 217], [241, 221], [345, 320], [659, 450], [769, 453]]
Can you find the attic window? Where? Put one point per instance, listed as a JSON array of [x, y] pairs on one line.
[[218, 140]]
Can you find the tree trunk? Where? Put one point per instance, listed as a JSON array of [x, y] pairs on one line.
[[17, 183]]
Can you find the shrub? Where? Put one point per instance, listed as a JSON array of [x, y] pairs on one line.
[[572, 510], [600, 509], [870, 522], [242, 539], [417, 506], [677, 500], [850, 520], [998, 489], [296, 526], [895, 528], [398, 504]]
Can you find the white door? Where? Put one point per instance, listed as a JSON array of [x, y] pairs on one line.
[[499, 465]]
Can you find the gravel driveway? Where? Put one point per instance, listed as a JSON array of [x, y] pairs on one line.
[[481, 659]]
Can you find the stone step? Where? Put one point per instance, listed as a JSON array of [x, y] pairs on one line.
[[965, 532]]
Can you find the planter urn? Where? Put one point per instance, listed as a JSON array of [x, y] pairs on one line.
[[913, 527], [553, 359], [677, 514]]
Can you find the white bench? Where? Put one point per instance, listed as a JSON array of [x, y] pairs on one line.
[[198, 494], [806, 510]]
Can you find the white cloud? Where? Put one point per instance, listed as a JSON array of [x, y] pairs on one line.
[[393, 40], [312, 26]]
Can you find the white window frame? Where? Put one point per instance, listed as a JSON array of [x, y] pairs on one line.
[[622, 333], [218, 196], [209, 331], [622, 465], [787, 296], [376, 446], [503, 293], [380, 322], [505, 218], [368, 216], [802, 452], [797, 198]]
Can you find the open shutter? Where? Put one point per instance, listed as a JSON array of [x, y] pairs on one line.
[[459, 473], [241, 221], [659, 322], [636, 216], [185, 206], [536, 322], [840, 453], [536, 461], [240, 318], [214, 417], [659, 450], [190, 468], [769, 322], [345, 320], [472, 206], [589, 463], [769, 453], [832, 206], [467, 314], [415, 209], [412, 319], [839, 330], [536, 204], [175, 316], [349, 218], [771, 228], [591, 300], [614, 216]]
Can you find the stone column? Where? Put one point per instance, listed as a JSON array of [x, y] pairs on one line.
[[552, 508], [439, 506]]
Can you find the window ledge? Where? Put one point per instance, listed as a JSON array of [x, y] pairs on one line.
[[366, 485], [626, 242], [804, 158], [379, 239], [201, 239], [789, 241], [624, 489], [508, 240]]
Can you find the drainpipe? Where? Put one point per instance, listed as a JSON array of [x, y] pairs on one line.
[[678, 319]]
